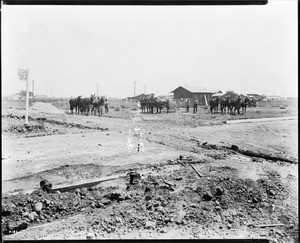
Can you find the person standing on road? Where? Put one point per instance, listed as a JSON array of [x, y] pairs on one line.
[[106, 106], [196, 103], [187, 102]]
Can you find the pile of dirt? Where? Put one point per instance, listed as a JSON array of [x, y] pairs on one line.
[[45, 108], [160, 201]]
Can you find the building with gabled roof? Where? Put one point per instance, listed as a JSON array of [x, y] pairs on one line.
[[137, 97], [202, 94]]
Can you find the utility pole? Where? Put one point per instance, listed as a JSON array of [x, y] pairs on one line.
[[134, 87], [97, 89], [32, 91], [27, 97], [24, 75], [144, 89], [46, 93]]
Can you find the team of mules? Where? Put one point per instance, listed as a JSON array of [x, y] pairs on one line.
[[231, 105], [148, 104], [93, 105]]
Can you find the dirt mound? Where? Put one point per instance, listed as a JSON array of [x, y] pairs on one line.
[[158, 202], [46, 108], [25, 128]]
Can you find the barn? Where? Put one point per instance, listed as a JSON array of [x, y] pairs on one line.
[[137, 97], [202, 94]]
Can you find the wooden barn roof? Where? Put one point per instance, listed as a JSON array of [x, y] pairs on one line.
[[195, 89]]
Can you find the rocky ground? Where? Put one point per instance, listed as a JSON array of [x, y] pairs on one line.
[[245, 186]]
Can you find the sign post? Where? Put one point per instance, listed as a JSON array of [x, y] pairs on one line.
[[24, 75], [27, 97]]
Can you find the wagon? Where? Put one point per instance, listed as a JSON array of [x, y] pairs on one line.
[[252, 101]]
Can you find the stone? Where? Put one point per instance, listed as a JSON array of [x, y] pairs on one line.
[[234, 147], [46, 185], [207, 196], [7, 210], [219, 191], [150, 224], [25, 214], [163, 231], [83, 191], [105, 201], [271, 192], [38, 207], [118, 195], [47, 202], [17, 226], [218, 208], [32, 216], [90, 236], [134, 178], [148, 197]]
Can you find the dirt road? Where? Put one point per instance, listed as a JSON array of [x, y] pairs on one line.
[[235, 191], [44, 157]]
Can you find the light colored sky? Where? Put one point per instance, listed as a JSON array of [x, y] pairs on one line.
[[69, 49]]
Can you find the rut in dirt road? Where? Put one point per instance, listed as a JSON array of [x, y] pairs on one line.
[[246, 152]]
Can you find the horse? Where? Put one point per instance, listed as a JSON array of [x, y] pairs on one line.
[[98, 104], [236, 104], [75, 103], [213, 105], [85, 106], [223, 104], [244, 104]]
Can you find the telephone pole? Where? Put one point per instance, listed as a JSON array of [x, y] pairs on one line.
[[134, 87], [32, 91], [97, 88], [144, 89]]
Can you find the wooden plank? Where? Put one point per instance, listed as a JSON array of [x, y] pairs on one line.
[[261, 120], [196, 170], [69, 187], [268, 225]]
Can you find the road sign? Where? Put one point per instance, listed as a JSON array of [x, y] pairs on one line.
[[22, 73]]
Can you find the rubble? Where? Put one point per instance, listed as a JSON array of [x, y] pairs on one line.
[[227, 202]]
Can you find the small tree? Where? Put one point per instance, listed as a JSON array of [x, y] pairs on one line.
[[261, 97], [231, 94], [22, 93]]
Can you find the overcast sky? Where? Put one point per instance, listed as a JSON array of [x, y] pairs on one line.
[[69, 49]]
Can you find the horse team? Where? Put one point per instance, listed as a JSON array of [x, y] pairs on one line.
[[149, 103], [232, 105], [93, 105]]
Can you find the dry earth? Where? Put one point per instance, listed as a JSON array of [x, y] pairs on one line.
[[239, 190]]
